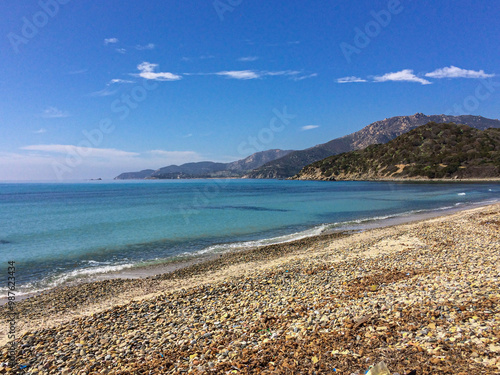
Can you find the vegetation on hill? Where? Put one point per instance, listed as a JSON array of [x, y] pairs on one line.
[[377, 132], [430, 151]]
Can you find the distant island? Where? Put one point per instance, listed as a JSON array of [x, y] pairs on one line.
[[282, 164], [432, 151]]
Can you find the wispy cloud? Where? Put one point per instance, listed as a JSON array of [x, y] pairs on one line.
[[248, 58], [147, 71], [454, 72], [300, 78], [240, 74], [104, 92], [118, 80], [310, 127], [110, 41], [81, 71], [202, 57], [53, 112], [405, 75], [351, 79], [40, 131], [253, 74], [281, 73], [109, 90], [148, 46], [82, 151], [121, 50], [36, 162]]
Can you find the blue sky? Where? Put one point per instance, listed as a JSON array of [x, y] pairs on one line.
[[91, 89]]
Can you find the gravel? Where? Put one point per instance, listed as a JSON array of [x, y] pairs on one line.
[[421, 296]]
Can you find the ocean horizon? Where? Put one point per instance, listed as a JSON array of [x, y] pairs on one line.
[[59, 233]]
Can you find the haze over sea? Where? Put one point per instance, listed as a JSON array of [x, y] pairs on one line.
[[65, 232]]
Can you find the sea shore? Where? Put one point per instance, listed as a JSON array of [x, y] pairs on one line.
[[419, 296]]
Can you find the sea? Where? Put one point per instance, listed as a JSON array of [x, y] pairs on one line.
[[64, 233]]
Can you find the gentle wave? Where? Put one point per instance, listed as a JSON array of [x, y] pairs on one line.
[[67, 277], [101, 268], [220, 248]]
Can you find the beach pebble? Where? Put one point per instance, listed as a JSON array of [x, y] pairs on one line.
[[419, 296]]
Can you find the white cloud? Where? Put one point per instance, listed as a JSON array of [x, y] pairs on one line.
[[454, 72], [252, 74], [148, 46], [282, 73], [78, 150], [240, 74], [350, 79], [110, 41], [49, 162], [405, 75], [305, 77], [108, 90], [53, 112], [40, 131], [121, 50], [309, 127], [118, 80], [147, 71], [248, 58]]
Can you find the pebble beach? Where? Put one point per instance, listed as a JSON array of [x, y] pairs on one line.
[[420, 296]]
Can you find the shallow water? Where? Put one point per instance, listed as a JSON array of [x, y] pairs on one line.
[[60, 232]]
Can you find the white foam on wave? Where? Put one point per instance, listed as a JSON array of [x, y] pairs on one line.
[[461, 194], [221, 248], [65, 277], [95, 267], [386, 217], [317, 230]]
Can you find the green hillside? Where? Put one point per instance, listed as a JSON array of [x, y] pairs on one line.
[[377, 132], [430, 151]]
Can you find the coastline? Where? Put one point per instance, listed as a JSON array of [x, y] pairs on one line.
[[151, 270], [409, 179], [369, 248]]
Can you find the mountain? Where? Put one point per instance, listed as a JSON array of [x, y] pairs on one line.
[[207, 169], [135, 175], [256, 160], [189, 170], [434, 150], [377, 132]]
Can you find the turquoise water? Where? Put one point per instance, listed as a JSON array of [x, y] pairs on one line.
[[58, 232]]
